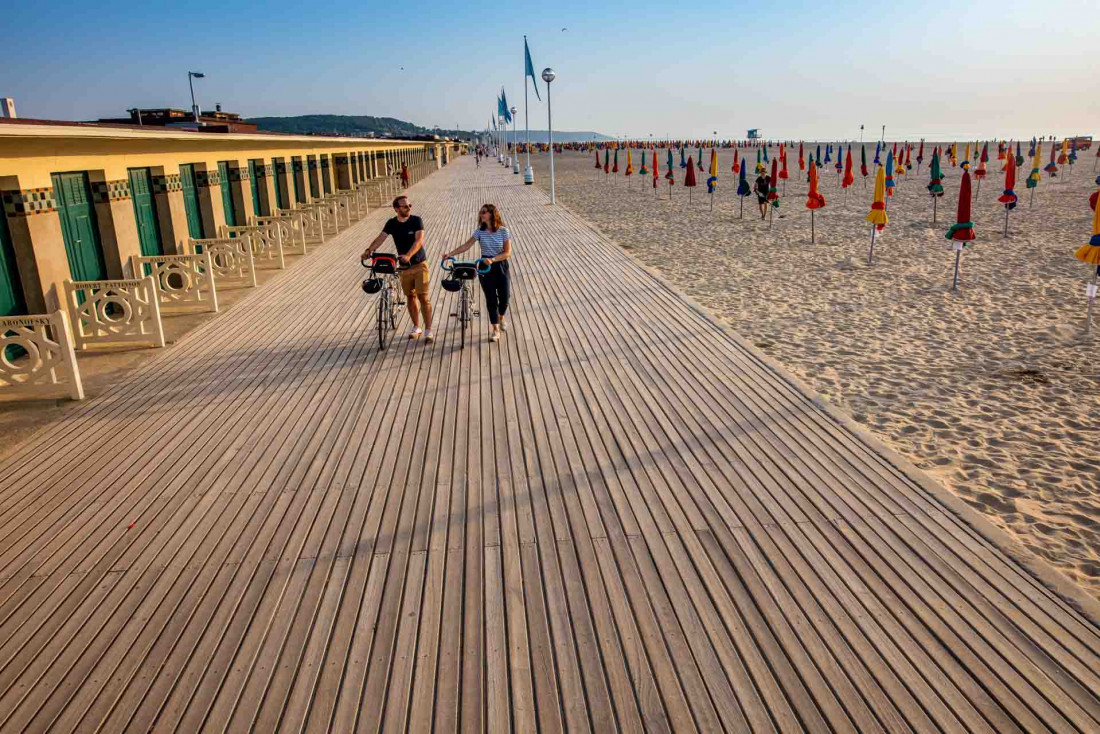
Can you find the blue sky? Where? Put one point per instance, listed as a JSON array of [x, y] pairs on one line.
[[795, 69]]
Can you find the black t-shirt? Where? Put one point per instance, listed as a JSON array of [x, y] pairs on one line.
[[762, 185], [404, 236]]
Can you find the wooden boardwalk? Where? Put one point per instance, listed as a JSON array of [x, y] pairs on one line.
[[617, 518]]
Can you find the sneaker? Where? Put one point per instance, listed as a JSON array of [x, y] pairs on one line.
[[428, 336], [502, 329], [415, 333], [495, 336]]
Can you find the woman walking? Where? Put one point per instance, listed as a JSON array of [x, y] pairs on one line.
[[496, 248]]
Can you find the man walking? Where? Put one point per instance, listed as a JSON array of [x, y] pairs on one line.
[[408, 237]]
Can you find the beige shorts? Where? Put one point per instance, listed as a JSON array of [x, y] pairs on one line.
[[414, 281]]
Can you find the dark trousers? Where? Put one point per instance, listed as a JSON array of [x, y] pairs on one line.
[[496, 286]]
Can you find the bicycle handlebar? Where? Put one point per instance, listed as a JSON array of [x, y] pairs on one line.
[[376, 256], [472, 263]]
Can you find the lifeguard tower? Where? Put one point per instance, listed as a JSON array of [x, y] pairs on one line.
[[754, 133]]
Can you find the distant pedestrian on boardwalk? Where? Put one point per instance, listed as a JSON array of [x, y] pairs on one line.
[[496, 248], [405, 175]]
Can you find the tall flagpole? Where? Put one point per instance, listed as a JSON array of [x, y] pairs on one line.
[[528, 174]]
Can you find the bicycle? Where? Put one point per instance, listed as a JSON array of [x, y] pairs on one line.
[[462, 274], [383, 281]]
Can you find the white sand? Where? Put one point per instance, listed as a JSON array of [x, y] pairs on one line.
[[993, 388]]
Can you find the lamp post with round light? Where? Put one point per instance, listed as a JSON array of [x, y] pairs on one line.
[[194, 107], [548, 76]]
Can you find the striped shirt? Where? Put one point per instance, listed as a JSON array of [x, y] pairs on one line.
[[492, 243]]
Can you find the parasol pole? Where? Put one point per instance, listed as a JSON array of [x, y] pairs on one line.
[[934, 200], [811, 226], [1006, 222], [742, 214], [958, 255], [1090, 292], [871, 252]]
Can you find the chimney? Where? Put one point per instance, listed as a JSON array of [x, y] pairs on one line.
[[7, 107]]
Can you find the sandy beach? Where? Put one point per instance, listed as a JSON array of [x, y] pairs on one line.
[[993, 389]]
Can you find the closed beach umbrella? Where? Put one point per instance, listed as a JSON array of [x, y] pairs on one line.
[[773, 190], [629, 163], [712, 180], [683, 162], [699, 158], [1008, 198], [817, 158], [1052, 168], [759, 166], [1019, 158], [828, 153], [643, 170], [935, 187], [1063, 158], [1090, 253], [689, 177], [814, 200], [920, 154], [877, 216], [839, 160], [801, 158], [1073, 151], [607, 160], [765, 153], [736, 162], [863, 163], [965, 165], [615, 165], [670, 176], [597, 159], [849, 176], [878, 149], [743, 188], [890, 173], [962, 231], [954, 154]]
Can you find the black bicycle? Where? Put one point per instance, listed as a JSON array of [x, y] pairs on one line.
[[383, 281], [460, 281]]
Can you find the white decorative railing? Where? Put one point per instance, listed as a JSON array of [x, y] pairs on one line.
[[231, 259], [291, 229], [343, 207], [266, 240], [114, 312], [184, 282], [45, 361], [312, 225], [328, 213]]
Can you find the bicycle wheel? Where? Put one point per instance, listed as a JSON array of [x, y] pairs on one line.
[[383, 310], [393, 308], [464, 315]]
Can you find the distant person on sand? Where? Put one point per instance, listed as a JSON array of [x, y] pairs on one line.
[[763, 183], [496, 248]]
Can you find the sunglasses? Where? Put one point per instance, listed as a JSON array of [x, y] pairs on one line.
[[404, 206]]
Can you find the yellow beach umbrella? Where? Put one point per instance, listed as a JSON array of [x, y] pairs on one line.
[[877, 216], [1090, 253]]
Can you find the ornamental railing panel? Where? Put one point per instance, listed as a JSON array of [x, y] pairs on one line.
[[114, 313], [231, 259], [291, 229], [185, 283], [266, 240], [37, 358]]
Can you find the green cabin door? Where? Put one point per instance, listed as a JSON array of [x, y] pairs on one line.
[[145, 211], [255, 188], [295, 169], [11, 290], [280, 195], [227, 194], [79, 226], [191, 200]]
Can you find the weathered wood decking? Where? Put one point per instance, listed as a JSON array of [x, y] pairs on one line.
[[616, 518]]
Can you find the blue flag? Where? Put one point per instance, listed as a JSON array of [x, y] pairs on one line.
[[502, 110], [494, 120], [529, 68], [504, 106]]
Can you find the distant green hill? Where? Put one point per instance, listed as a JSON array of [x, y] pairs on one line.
[[353, 125], [383, 127]]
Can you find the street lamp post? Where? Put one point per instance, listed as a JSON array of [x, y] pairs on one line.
[[515, 142], [548, 76], [194, 107]]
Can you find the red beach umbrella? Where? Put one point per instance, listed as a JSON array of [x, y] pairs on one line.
[[689, 177], [801, 159], [814, 200], [1008, 198], [962, 231]]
